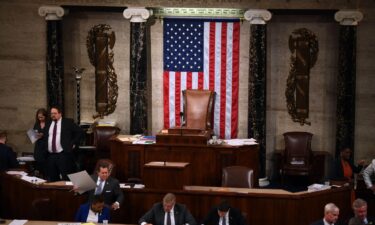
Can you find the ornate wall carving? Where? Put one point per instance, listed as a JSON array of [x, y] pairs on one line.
[[100, 43]]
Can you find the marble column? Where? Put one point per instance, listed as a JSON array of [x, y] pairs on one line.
[[55, 62], [257, 81], [138, 68], [346, 80]]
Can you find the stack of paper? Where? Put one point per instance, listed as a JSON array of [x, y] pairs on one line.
[[240, 142], [317, 187]]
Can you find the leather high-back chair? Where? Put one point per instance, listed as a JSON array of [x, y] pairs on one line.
[[298, 154], [237, 176], [198, 108], [102, 135]]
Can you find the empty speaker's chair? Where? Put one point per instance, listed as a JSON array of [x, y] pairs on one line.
[[237, 176], [298, 155], [198, 107], [102, 135]]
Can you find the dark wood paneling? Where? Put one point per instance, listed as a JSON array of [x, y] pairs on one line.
[[271, 208], [206, 162]]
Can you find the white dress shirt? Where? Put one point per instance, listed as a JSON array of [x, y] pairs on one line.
[[368, 172], [226, 218], [58, 137], [92, 216], [172, 217]]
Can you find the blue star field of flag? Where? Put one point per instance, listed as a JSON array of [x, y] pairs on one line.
[[183, 45]]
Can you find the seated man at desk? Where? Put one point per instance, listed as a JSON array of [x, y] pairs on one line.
[[93, 212], [331, 215], [223, 214], [8, 158], [107, 186], [168, 213], [360, 213]]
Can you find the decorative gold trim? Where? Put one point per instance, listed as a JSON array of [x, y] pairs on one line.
[[199, 12]]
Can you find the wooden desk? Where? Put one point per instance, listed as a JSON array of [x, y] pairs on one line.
[[260, 206], [206, 161], [176, 173]]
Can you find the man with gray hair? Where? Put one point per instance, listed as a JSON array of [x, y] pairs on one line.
[[360, 213], [168, 212], [331, 215]]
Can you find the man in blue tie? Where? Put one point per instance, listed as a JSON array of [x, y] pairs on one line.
[[167, 212], [106, 186]]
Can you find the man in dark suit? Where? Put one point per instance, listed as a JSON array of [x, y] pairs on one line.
[[360, 213], [62, 135], [223, 214], [106, 186], [167, 213], [8, 158], [331, 215]]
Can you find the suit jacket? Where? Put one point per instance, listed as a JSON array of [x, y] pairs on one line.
[[71, 134], [83, 212], [338, 172], [356, 221], [156, 215], [111, 191], [8, 158], [319, 222], [235, 217]]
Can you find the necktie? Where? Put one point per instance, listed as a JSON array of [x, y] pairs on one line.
[[54, 137], [224, 221], [169, 218], [99, 189]]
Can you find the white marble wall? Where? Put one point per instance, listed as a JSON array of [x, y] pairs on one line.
[[23, 89]]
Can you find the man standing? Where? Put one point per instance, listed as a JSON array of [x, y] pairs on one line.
[[223, 214], [168, 213], [8, 157], [331, 214], [367, 173], [106, 186], [62, 135], [360, 213]]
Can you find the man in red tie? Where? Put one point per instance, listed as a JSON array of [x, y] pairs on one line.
[[62, 135]]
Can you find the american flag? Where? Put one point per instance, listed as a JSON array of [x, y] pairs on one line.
[[202, 55]]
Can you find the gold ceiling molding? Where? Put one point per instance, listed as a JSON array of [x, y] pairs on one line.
[[198, 12]]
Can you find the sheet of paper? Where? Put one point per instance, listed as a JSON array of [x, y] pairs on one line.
[[18, 222], [82, 181], [33, 135], [32, 179]]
